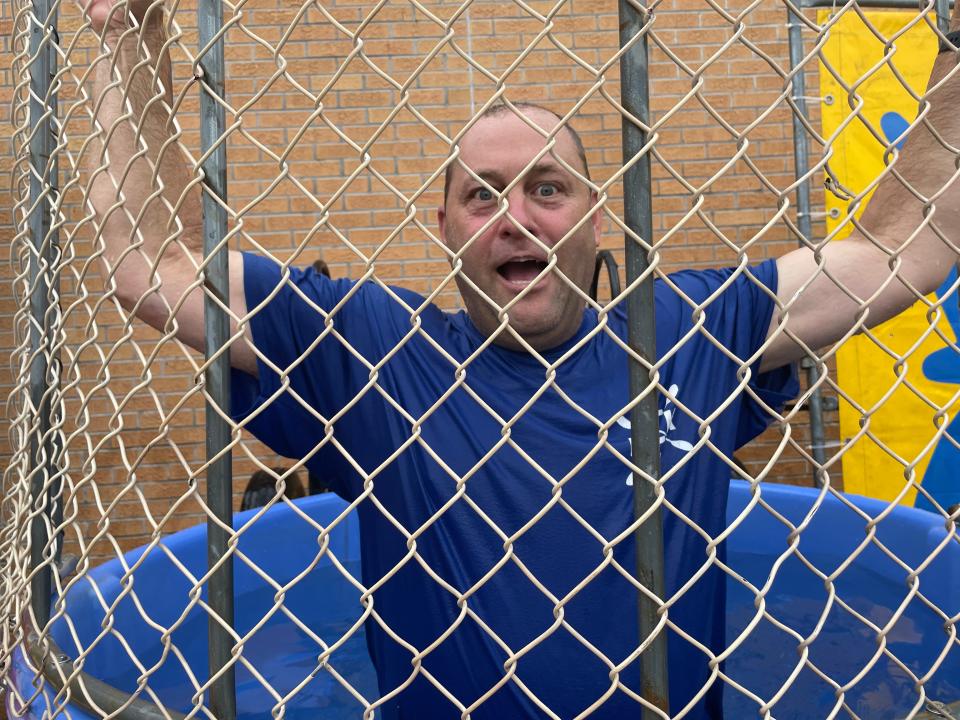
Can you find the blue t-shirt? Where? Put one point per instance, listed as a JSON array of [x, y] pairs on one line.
[[495, 514]]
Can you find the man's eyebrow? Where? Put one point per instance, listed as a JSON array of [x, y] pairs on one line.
[[491, 177], [495, 177], [545, 165]]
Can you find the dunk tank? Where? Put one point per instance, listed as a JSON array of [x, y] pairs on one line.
[[853, 617]]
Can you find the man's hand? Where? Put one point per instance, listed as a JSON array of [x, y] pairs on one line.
[[117, 16]]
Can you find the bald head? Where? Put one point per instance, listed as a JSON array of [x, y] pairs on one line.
[[529, 110]]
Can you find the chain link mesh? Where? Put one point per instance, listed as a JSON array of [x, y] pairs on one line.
[[343, 121]]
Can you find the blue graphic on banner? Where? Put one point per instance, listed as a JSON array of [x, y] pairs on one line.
[[894, 125]]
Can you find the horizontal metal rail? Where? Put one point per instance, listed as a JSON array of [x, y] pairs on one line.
[[86, 691], [874, 4]]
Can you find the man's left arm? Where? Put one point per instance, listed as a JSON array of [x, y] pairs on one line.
[[890, 259]]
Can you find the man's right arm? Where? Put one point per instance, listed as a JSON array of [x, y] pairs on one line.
[[144, 189]]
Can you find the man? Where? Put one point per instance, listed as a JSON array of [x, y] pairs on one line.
[[485, 450]]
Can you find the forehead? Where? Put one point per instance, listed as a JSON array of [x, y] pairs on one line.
[[505, 144]]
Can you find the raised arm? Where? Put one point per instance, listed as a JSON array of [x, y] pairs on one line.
[[889, 234], [143, 186]]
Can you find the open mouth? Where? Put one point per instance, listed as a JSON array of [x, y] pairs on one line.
[[521, 272]]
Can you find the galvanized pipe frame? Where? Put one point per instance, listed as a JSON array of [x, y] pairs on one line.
[[44, 285], [940, 5], [223, 696], [801, 154], [642, 340], [86, 691], [943, 14]]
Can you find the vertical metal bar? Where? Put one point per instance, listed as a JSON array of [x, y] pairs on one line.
[[943, 15], [43, 189], [801, 155], [641, 336], [223, 701]]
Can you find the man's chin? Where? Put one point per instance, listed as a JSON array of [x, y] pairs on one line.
[[534, 318], [538, 333]]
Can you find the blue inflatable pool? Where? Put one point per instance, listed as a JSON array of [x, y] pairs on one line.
[[871, 587]]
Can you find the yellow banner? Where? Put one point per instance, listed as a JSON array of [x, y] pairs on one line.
[[901, 430]]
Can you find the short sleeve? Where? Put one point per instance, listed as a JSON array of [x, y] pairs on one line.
[[738, 316], [315, 341]]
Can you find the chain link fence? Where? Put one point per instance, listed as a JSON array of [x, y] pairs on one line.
[[537, 511]]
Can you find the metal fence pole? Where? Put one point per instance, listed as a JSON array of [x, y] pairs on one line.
[[43, 365], [223, 701], [641, 336], [943, 15], [801, 155]]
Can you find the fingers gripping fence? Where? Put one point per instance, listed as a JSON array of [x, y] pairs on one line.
[[532, 512]]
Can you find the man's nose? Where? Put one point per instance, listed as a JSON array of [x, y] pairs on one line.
[[519, 215]]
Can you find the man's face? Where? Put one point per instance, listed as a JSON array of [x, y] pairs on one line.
[[502, 260]]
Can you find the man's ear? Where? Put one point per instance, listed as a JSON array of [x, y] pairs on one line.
[[441, 223]]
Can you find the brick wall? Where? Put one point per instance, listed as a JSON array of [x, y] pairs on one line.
[[137, 447]]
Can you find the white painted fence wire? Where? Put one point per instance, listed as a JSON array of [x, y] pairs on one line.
[[456, 384]]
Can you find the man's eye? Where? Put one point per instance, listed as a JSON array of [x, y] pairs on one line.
[[483, 194], [546, 190]]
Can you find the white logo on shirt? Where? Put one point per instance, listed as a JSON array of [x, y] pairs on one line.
[[667, 426]]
